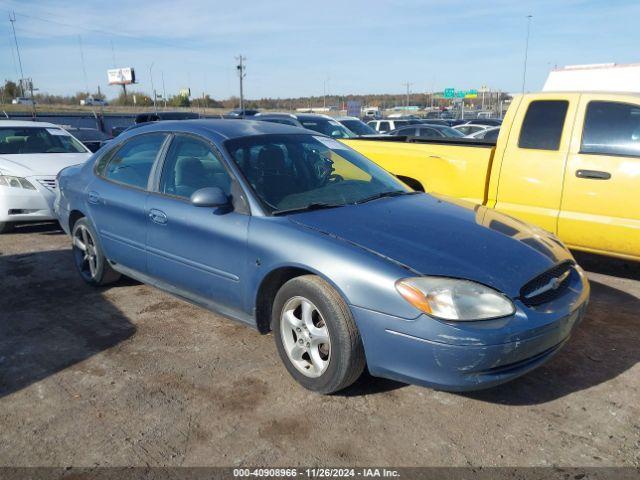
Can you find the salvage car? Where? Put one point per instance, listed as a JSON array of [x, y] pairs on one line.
[[567, 162], [291, 231], [31, 155]]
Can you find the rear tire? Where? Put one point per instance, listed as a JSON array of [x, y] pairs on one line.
[[316, 336], [6, 227], [89, 257]]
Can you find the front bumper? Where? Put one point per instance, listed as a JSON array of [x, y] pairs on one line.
[[469, 355], [22, 205]]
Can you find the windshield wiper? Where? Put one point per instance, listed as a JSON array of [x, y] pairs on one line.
[[307, 208], [393, 193]]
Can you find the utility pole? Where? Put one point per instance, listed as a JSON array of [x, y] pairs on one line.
[[526, 53], [12, 19], [408, 85], [241, 74]]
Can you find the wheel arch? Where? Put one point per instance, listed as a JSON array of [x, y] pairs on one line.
[[272, 282], [74, 216]]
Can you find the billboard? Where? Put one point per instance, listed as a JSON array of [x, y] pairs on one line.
[[121, 76]]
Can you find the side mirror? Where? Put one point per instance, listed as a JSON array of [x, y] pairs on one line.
[[209, 197]]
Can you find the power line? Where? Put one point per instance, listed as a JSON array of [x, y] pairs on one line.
[[12, 19]]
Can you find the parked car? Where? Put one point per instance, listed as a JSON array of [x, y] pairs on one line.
[[117, 130], [92, 101], [158, 116], [23, 101], [422, 130], [467, 129], [289, 230], [239, 113], [92, 138], [567, 162], [386, 125], [489, 134], [320, 123], [31, 155], [357, 126], [488, 122]]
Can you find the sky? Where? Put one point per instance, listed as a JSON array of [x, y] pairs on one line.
[[307, 47]]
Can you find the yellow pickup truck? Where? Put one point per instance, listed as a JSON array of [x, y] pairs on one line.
[[567, 162]]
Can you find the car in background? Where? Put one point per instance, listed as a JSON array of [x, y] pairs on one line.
[[289, 230], [239, 113], [489, 134], [118, 129], [320, 123], [388, 124], [92, 138], [92, 101], [31, 155], [159, 116], [489, 122], [357, 126], [471, 128], [23, 101], [427, 131]]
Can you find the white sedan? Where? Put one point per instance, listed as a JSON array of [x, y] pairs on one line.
[[31, 155]]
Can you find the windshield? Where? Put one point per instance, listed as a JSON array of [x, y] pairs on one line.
[[299, 171], [23, 140], [358, 127], [327, 127]]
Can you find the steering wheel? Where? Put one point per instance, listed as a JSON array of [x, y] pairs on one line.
[[334, 178]]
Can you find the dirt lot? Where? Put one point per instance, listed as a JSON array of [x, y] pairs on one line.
[[128, 375]]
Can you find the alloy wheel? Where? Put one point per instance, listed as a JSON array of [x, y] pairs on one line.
[[305, 336]]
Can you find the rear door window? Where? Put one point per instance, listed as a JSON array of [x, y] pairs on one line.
[[543, 124], [611, 128], [132, 164]]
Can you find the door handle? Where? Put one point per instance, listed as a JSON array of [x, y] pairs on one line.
[[593, 174], [93, 198], [158, 216]]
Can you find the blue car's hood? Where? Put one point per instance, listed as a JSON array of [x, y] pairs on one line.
[[436, 237]]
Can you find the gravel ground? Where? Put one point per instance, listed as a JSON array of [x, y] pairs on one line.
[[128, 375]]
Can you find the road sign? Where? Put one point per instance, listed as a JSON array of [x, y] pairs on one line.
[[449, 92]]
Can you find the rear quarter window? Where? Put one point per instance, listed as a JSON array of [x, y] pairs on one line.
[[543, 124]]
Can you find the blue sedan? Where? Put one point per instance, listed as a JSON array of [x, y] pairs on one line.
[[291, 231]]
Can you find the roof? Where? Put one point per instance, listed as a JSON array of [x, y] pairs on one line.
[[26, 123], [224, 129]]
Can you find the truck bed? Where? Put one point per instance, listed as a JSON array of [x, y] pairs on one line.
[[455, 167]]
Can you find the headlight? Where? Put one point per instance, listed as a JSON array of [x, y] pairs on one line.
[[15, 182], [453, 299]]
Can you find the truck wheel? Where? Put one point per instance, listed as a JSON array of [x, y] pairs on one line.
[[316, 336], [6, 227], [88, 256]]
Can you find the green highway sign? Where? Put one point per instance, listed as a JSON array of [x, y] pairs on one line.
[[453, 93], [449, 92]]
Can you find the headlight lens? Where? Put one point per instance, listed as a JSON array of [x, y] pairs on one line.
[[15, 182], [454, 299]]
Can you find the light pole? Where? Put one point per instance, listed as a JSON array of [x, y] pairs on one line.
[[153, 88], [526, 53], [241, 74], [408, 85]]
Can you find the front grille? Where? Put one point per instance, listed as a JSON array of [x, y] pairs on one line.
[[49, 183], [547, 286]]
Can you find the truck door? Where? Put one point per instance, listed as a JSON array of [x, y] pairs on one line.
[[601, 197], [533, 162]]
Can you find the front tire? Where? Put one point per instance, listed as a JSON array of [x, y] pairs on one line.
[[6, 227], [316, 336], [88, 256]]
